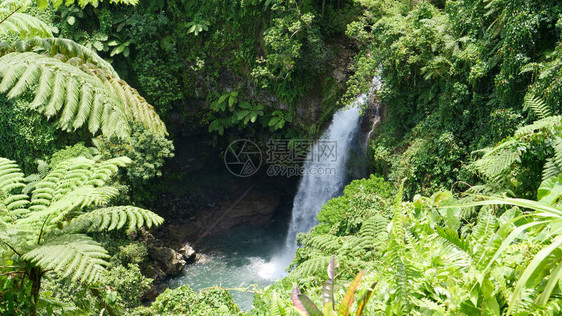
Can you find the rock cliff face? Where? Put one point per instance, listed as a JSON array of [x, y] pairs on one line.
[[254, 204]]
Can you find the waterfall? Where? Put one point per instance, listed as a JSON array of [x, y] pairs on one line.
[[315, 188], [324, 177]]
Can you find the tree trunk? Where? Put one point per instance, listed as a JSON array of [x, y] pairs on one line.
[[35, 274]]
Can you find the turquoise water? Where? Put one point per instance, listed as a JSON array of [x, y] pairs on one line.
[[239, 257]]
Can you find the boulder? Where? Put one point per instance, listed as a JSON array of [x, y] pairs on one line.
[[188, 253], [169, 261], [202, 258]]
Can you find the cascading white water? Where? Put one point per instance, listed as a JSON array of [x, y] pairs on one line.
[[323, 179], [324, 175], [315, 188]]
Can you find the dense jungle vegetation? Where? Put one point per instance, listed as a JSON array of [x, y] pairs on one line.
[[460, 215]]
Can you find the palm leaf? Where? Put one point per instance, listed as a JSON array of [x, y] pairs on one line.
[[531, 268]]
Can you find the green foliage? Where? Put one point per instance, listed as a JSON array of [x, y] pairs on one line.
[[232, 112], [441, 256], [81, 3], [361, 199], [197, 26], [129, 283], [44, 230], [26, 135], [184, 301], [148, 153], [181, 52], [533, 150], [305, 306], [16, 23], [81, 93], [456, 68], [135, 253]]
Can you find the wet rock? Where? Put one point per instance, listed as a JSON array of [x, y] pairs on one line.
[[202, 258], [168, 262], [188, 253]]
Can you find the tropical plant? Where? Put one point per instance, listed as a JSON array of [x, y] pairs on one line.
[[82, 3], [74, 84], [15, 22], [541, 275], [44, 227], [508, 162], [278, 119], [306, 307], [68, 80], [197, 26]]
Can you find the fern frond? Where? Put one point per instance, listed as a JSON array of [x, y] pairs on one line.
[[112, 218], [557, 159], [550, 170], [499, 159], [53, 46], [73, 174], [453, 254], [73, 255], [310, 267], [135, 106], [548, 123], [77, 95], [21, 72], [16, 22], [326, 242], [11, 183], [73, 201], [537, 105]]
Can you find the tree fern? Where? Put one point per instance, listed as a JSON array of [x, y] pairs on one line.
[[326, 242], [71, 82], [73, 255], [15, 22], [73, 174], [310, 267], [45, 234], [65, 49], [547, 123], [11, 183], [497, 160], [553, 166], [77, 95]]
